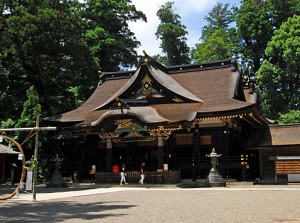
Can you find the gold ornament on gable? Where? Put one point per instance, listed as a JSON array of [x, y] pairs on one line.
[[146, 85], [123, 123]]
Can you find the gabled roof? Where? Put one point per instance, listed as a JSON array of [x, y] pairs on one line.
[[162, 83], [274, 135], [216, 86], [155, 94], [7, 150]]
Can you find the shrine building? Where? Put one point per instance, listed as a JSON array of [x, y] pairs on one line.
[[172, 115]]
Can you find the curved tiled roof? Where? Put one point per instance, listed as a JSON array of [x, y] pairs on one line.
[[162, 78], [208, 89], [172, 85], [216, 87], [83, 113], [274, 135], [145, 114]]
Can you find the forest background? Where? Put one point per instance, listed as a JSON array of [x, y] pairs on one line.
[[52, 52]]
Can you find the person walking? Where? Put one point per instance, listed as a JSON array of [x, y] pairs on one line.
[[142, 172], [123, 174]]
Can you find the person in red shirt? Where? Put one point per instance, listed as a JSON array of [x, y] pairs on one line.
[[116, 169]]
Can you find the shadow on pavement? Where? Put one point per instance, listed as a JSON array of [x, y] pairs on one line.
[[57, 211]]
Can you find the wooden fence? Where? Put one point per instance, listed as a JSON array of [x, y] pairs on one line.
[[283, 167], [287, 166]]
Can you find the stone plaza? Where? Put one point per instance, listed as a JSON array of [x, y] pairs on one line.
[[149, 203]]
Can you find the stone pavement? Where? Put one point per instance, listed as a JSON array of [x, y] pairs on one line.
[[86, 189], [132, 203]]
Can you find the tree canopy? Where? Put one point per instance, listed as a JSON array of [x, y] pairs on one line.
[[279, 75], [51, 53], [108, 35], [172, 35], [58, 47], [218, 40], [55, 49], [256, 22]]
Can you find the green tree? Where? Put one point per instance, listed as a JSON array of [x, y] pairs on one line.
[[42, 45], [217, 46], [257, 20], [108, 35], [279, 75], [282, 10], [31, 109], [291, 117], [160, 58], [172, 35], [218, 39], [219, 17], [255, 29]]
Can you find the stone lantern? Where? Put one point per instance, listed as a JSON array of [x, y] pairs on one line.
[[57, 180], [214, 178]]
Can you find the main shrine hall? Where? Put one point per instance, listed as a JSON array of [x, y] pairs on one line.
[[168, 116]]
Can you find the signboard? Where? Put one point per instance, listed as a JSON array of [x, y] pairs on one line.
[[20, 156], [29, 180]]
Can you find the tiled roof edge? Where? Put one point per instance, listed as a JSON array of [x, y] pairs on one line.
[[175, 69]]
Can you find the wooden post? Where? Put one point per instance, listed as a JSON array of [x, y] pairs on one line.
[[108, 154], [261, 173], [160, 152], [37, 129], [36, 149]]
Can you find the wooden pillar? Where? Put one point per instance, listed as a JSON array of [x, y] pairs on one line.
[[108, 154], [196, 142], [261, 172], [160, 152], [132, 153], [172, 146], [196, 151]]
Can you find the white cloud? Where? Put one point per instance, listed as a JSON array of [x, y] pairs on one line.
[[145, 32], [185, 7], [192, 13]]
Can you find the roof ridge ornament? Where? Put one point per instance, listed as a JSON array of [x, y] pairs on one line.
[[102, 77], [119, 104], [146, 56], [149, 60]]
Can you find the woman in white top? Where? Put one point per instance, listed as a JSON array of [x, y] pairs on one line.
[[122, 173]]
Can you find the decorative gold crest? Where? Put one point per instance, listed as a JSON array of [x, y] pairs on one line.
[[123, 123], [146, 85], [177, 100]]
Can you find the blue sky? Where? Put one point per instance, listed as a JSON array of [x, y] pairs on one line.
[[192, 13]]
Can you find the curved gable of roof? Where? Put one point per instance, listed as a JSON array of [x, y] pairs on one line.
[[170, 84], [165, 83], [176, 87], [102, 93]]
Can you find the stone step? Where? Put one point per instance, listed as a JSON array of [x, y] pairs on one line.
[[239, 183]]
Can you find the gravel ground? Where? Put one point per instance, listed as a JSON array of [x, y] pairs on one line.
[[162, 205]]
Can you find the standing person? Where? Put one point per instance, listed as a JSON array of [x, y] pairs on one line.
[[116, 168], [123, 173], [142, 172]]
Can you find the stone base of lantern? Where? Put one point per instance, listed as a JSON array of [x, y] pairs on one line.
[[56, 181], [214, 179]]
